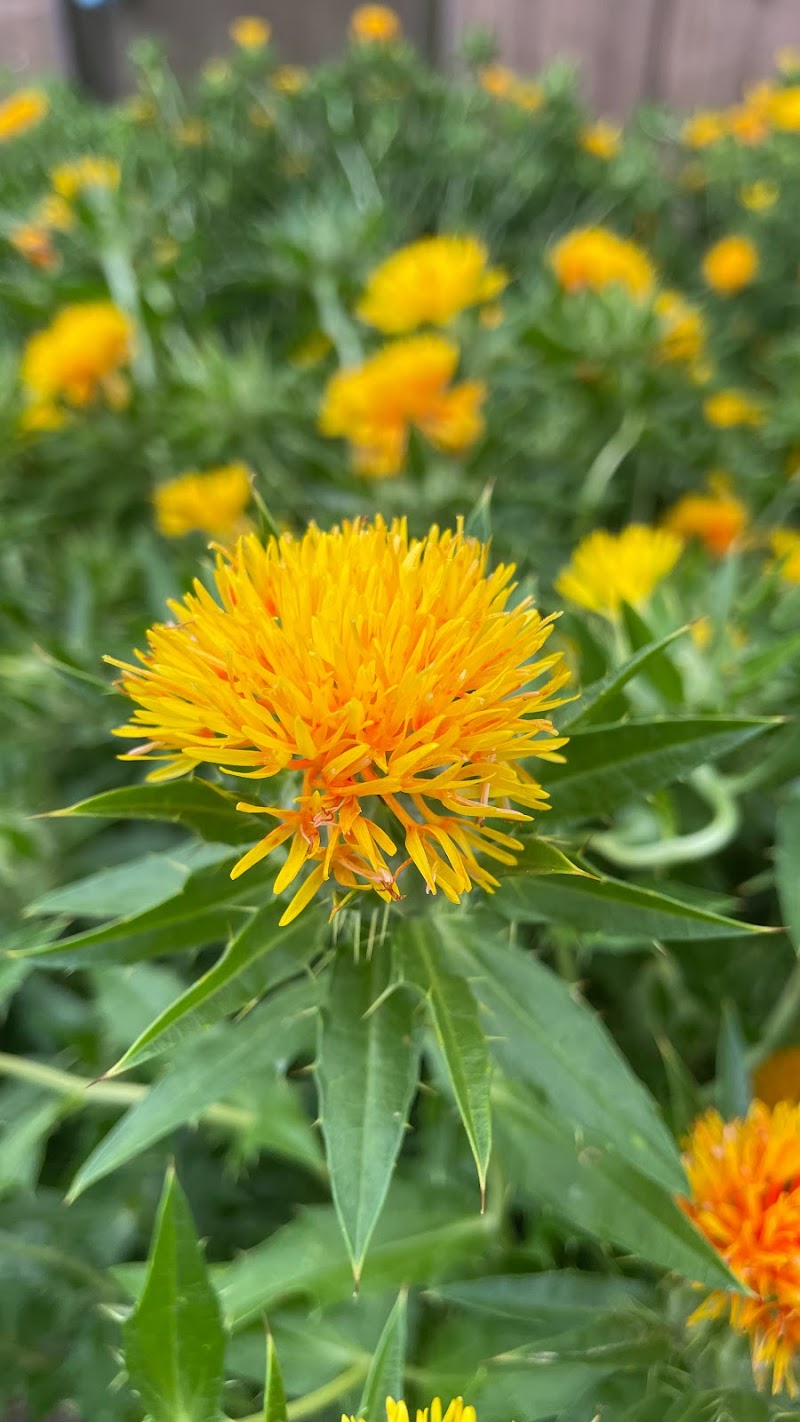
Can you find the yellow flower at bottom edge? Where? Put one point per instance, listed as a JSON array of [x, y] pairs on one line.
[[602, 139], [607, 569], [22, 111], [456, 1411], [594, 258], [730, 408], [778, 1077], [785, 544], [78, 356], [759, 196], [744, 1178], [730, 265], [717, 518], [388, 673], [207, 501], [374, 405], [250, 32], [683, 328], [428, 283], [79, 176], [374, 24]]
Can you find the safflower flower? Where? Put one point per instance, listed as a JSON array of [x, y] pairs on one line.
[[79, 356], [374, 24], [602, 139], [21, 112], [407, 384], [250, 32], [206, 501], [703, 129], [730, 408], [744, 1178], [716, 518], [289, 79], [760, 195], [32, 241], [730, 265], [82, 174], [784, 109], [455, 1412], [388, 672], [608, 569], [503, 83], [785, 544], [683, 330], [429, 283], [594, 258]]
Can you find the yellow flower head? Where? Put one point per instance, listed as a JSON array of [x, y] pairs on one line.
[[139, 109], [731, 408], [785, 544], [760, 195], [778, 1077], [704, 129], [387, 672], [455, 1412], [527, 95], [78, 356], [594, 258], [70, 179], [428, 284], [374, 24], [22, 111], [730, 265], [601, 139], [717, 518], [33, 243], [54, 212], [683, 330], [747, 123], [784, 109], [250, 32], [406, 384], [207, 501], [289, 80], [498, 81], [607, 569], [193, 133], [744, 1177]]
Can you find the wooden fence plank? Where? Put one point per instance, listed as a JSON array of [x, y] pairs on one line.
[[30, 36]]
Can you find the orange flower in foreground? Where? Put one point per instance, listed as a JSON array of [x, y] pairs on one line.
[[407, 384], [388, 672], [717, 518], [594, 258], [374, 24], [745, 1198]]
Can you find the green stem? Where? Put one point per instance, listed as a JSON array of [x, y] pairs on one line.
[[607, 462], [681, 848], [335, 321], [124, 288], [85, 1092], [312, 1402]]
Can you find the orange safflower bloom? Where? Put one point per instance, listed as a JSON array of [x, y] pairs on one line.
[[374, 24], [717, 518], [429, 283], [387, 672], [594, 258], [730, 408], [250, 32], [22, 111], [209, 501], [730, 265], [78, 357], [602, 139], [33, 243], [744, 1178]]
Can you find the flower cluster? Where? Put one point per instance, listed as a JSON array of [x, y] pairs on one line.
[[77, 359]]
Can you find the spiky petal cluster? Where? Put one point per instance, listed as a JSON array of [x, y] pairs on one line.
[[429, 283], [607, 569], [455, 1411], [389, 672], [745, 1198]]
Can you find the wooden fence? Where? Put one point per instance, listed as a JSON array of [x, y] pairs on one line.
[[690, 53]]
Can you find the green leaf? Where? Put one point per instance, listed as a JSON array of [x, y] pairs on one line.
[[130, 888], [257, 959], [367, 1070], [454, 1014], [387, 1369], [27, 1116], [13, 973], [478, 523], [597, 697], [174, 1341], [609, 766], [733, 1086], [201, 1075], [540, 856], [202, 807], [662, 674], [543, 1035], [614, 907], [546, 1303], [598, 1191], [274, 1391], [787, 858]]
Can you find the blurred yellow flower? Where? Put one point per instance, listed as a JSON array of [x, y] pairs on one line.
[[760, 195], [594, 258], [703, 129], [70, 179], [731, 407], [455, 1412], [78, 356], [429, 283], [260, 116], [250, 32], [785, 544], [380, 668], [748, 124], [32, 241], [54, 212], [139, 109], [374, 24], [778, 1077], [289, 79], [784, 109], [683, 330], [193, 133], [608, 569], [42, 418], [209, 501], [527, 95], [407, 384], [22, 111], [496, 80], [744, 1179], [601, 139], [730, 265], [717, 518]]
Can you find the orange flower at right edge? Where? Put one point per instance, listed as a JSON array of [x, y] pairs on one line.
[[744, 1177], [406, 385]]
